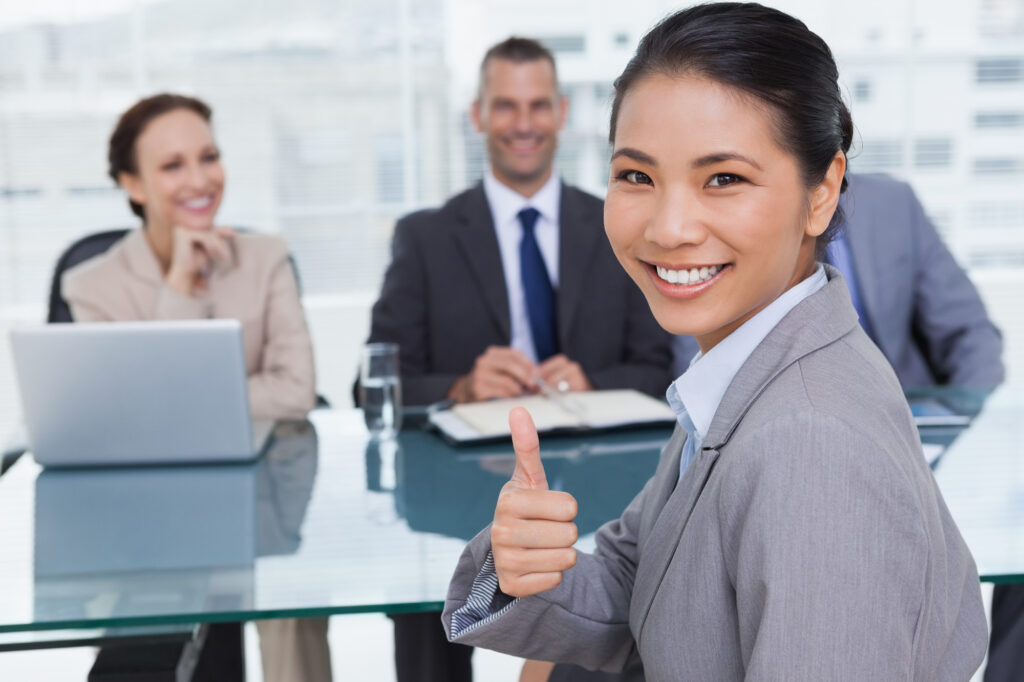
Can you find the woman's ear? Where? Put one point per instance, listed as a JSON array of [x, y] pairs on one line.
[[825, 197], [133, 186]]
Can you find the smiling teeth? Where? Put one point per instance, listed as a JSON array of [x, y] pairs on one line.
[[198, 203], [691, 276]]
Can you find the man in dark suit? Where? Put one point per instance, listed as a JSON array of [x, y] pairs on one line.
[[458, 296], [510, 283]]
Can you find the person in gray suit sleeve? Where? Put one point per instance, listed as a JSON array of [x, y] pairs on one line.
[[914, 301], [925, 315], [509, 283], [792, 530]]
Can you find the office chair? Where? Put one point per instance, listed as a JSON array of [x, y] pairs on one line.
[[81, 250], [93, 245]]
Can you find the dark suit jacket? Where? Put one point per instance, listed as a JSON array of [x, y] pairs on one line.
[[925, 314], [444, 300]]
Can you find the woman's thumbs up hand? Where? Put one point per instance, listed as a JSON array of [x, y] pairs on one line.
[[533, 533]]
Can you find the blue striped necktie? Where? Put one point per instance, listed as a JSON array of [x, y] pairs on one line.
[[540, 295]]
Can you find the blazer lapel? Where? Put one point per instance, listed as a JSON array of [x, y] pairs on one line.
[[479, 244], [664, 536], [141, 259], [818, 320], [578, 236]]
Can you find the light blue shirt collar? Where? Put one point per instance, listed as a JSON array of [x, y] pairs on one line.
[[695, 395]]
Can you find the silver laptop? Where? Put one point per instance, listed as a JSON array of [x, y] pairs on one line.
[[136, 393]]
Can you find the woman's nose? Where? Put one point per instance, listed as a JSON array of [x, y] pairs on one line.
[[677, 221], [197, 176]]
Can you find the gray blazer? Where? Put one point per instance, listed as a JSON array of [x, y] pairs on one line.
[[444, 299], [806, 541], [925, 314]]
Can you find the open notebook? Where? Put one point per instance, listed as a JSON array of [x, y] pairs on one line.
[[571, 412]]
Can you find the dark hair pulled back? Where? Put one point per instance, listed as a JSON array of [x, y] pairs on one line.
[[121, 157], [764, 53]]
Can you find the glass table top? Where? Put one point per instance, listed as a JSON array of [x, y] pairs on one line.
[[329, 521], [981, 476]]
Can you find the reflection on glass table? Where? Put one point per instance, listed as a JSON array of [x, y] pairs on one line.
[[175, 633], [332, 522], [120, 542], [115, 544], [440, 489], [981, 476]]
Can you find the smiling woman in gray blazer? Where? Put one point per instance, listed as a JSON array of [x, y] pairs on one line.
[[792, 530]]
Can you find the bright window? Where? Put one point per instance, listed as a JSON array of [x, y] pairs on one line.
[[336, 117]]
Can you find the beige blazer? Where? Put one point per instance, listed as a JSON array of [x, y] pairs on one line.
[[257, 287], [807, 540]]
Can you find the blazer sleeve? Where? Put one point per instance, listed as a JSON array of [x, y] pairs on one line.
[[950, 324], [826, 551], [284, 387], [591, 603], [401, 316], [647, 355]]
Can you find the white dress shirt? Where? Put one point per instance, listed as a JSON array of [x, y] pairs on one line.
[[505, 204]]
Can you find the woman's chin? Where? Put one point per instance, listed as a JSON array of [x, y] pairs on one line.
[[677, 329], [197, 225], [676, 324]]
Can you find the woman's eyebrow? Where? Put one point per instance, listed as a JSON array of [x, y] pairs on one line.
[[711, 159], [636, 155]]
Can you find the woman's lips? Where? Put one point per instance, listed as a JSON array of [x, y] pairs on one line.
[[199, 204], [704, 277]]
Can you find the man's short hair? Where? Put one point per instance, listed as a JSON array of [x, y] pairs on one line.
[[517, 50]]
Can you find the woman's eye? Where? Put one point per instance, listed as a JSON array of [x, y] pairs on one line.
[[723, 179], [173, 165], [210, 158], [636, 177]]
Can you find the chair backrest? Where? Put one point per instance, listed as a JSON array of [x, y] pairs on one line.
[[81, 250]]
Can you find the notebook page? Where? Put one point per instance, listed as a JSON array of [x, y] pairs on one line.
[[621, 407], [490, 418]]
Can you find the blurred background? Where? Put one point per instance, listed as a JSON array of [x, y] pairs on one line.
[[337, 116]]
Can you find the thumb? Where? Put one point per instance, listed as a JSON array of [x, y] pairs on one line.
[[529, 471]]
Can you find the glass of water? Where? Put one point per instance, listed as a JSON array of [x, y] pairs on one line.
[[380, 389]]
